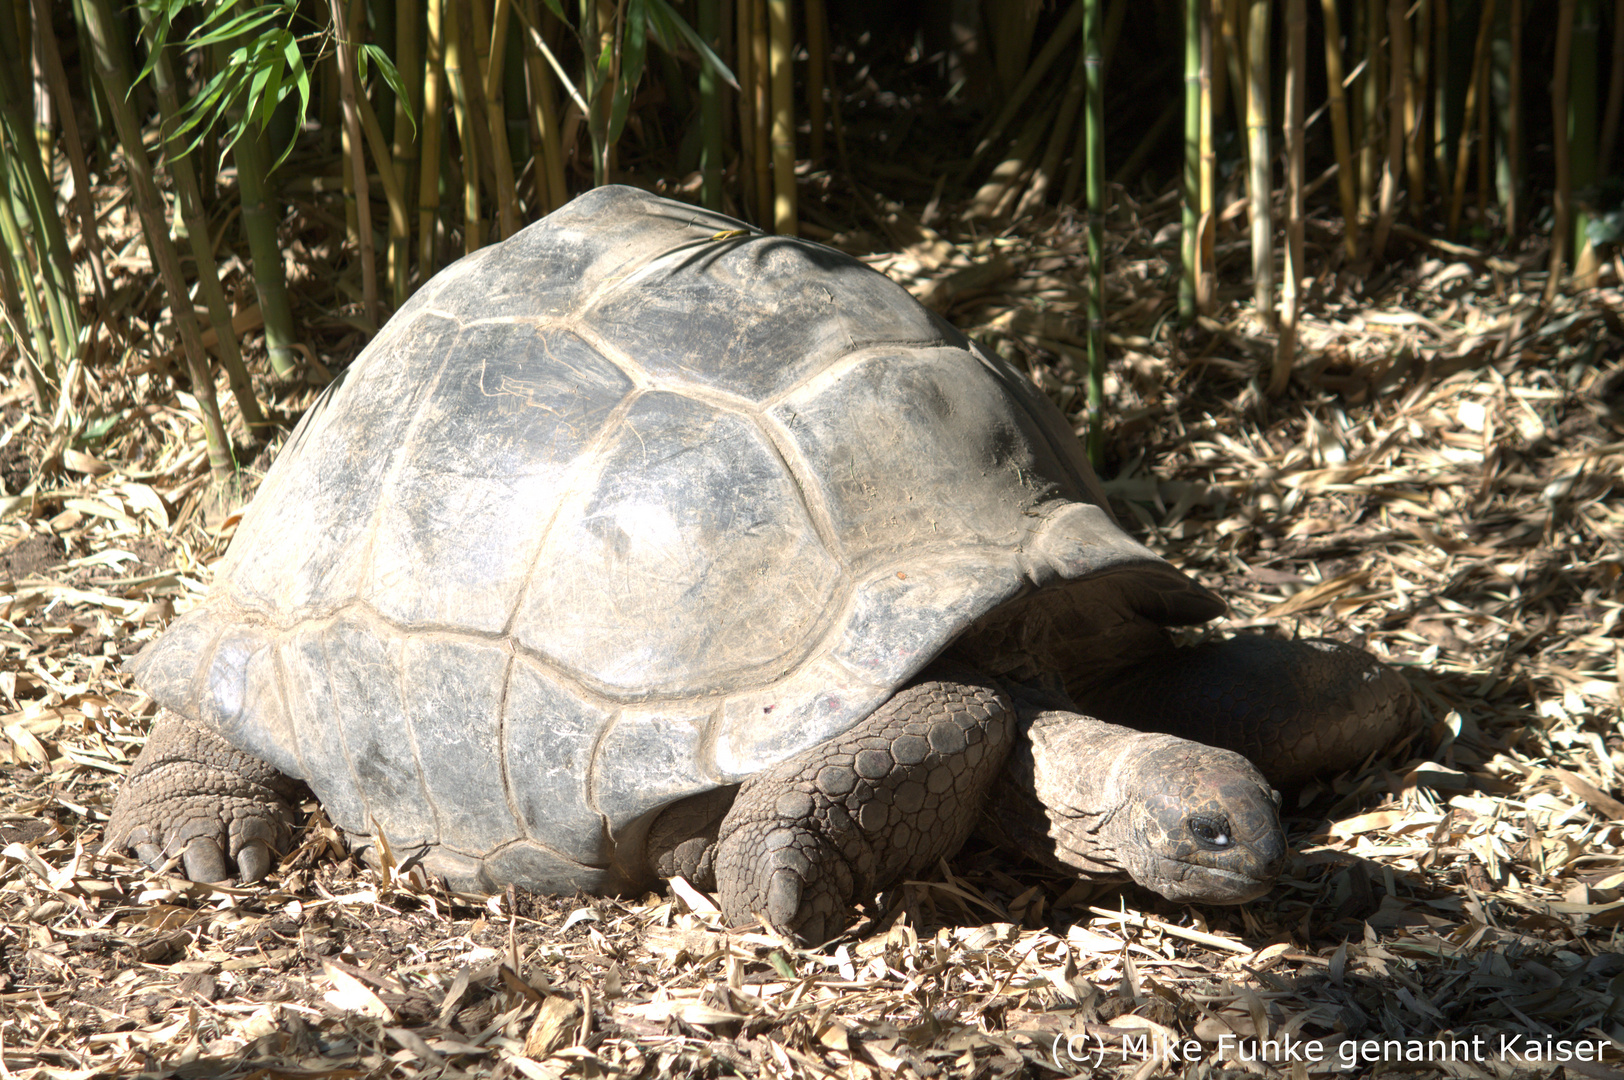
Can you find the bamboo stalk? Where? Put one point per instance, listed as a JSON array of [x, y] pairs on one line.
[[21, 325], [1260, 188], [345, 57], [745, 36], [1296, 100], [58, 80], [1468, 127], [817, 54], [1582, 98], [763, 112], [1615, 94], [1190, 241], [260, 227], [1485, 97], [1562, 197], [1060, 136], [1440, 96], [59, 289], [710, 104], [149, 205], [1234, 38], [1513, 209], [408, 125], [1094, 130], [1206, 219], [394, 191], [492, 64], [1035, 73], [1415, 94], [428, 184], [783, 104], [201, 242], [551, 192], [456, 58], [1347, 191], [1371, 112], [41, 366], [1398, 76]]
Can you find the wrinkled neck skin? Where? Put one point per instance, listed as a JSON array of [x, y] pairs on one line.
[[1191, 822]]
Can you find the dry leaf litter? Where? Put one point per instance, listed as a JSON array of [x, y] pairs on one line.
[[1440, 485]]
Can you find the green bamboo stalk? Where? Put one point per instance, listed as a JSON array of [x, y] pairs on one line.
[[149, 205], [1372, 14], [1094, 128], [710, 105], [1296, 107], [781, 45], [59, 291], [58, 80], [394, 191], [1346, 178], [1190, 247], [428, 186], [1207, 239], [1562, 197], [42, 368], [1260, 186], [200, 240], [259, 223], [21, 325]]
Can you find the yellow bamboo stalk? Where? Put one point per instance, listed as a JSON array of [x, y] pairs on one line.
[[761, 64], [1397, 77], [428, 184], [493, 66], [1207, 182], [1415, 93], [1468, 127], [549, 166], [1346, 178], [1296, 102], [408, 54], [817, 55], [1440, 95], [745, 35], [781, 61], [456, 77], [1562, 197], [345, 58], [1257, 129]]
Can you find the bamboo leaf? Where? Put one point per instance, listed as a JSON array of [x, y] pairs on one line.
[[669, 24], [634, 51], [386, 68]]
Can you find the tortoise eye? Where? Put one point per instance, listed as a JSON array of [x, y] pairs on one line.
[[1210, 831]]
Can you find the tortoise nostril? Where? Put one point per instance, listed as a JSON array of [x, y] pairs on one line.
[[1210, 831]]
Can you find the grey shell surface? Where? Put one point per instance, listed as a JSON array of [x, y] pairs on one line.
[[618, 511]]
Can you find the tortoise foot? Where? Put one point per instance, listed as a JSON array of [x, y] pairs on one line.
[[810, 836], [191, 794]]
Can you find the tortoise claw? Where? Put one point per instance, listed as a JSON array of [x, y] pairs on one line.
[[205, 861]]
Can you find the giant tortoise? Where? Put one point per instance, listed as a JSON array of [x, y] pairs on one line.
[[642, 543]]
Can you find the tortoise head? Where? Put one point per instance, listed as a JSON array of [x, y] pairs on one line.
[[1189, 821]]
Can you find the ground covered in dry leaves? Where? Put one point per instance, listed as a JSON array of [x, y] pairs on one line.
[[1440, 484]]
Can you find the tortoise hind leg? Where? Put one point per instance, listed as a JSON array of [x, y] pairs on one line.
[[1295, 708], [808, 837], [190, 793]]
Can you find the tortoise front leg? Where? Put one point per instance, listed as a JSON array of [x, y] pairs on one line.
[[193, 794], [808, 837]]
